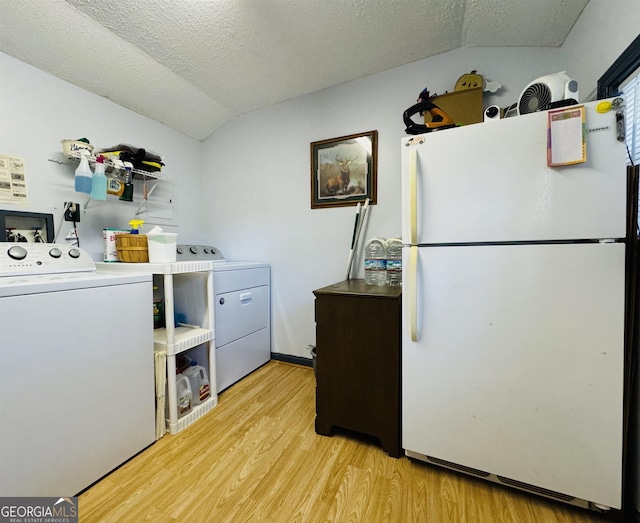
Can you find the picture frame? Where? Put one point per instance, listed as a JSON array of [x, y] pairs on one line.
[[344, 170]]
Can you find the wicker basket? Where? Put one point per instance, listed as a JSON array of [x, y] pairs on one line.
[[132, 248]]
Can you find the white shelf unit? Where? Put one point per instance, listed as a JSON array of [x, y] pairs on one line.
[[174, 340]]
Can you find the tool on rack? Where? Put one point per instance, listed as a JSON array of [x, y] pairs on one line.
[[127, 192], [439, 119]]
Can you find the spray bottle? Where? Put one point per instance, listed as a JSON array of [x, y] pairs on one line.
[[99, 181], [135, 224], [83, 173]]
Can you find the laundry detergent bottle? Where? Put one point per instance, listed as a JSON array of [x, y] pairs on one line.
[[184, 394], [199, 382]]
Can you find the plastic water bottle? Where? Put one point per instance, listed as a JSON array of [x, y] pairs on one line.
[[394, 262], [375, 262], [83, 174], [199, 382]]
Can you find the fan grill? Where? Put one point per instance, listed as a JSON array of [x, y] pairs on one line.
[[535, 98]]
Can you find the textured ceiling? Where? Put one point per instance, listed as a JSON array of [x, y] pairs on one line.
[[195, 64]]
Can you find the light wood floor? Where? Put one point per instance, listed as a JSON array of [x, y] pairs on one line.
[[256, 457]]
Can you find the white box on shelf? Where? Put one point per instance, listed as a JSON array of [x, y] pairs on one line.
[[162, 246]]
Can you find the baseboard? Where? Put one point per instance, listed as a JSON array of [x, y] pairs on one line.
[[288, 358]]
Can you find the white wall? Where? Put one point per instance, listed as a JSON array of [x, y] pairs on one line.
[[258, 174], [247, 188], [603, 31], [37, 110]]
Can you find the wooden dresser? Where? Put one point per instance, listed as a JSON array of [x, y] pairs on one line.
[[358, 363]]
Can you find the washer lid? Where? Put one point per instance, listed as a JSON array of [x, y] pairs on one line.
[[18, 285]]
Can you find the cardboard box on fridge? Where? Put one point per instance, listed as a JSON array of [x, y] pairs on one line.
[[465, 107]]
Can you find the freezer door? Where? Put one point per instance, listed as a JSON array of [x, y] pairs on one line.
[[518, 367], [490, 183]]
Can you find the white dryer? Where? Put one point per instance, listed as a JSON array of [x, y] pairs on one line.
[[242, 313]]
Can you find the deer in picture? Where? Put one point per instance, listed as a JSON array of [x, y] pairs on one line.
[[341, 182]]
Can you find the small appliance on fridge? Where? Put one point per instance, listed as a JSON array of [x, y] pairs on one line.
[[513, 305]]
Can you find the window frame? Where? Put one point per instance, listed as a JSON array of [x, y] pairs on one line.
[[619, 71]]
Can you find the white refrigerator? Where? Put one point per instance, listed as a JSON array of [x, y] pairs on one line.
[[513, 306]]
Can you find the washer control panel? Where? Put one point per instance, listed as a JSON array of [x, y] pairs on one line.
[[42, 258], [186, 252]]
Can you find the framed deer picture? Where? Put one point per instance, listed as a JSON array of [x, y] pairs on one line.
[[344, 170]]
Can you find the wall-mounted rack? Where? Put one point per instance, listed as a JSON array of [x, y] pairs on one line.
[[112, 168]]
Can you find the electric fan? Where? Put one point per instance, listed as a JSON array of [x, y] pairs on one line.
[[543, 91]]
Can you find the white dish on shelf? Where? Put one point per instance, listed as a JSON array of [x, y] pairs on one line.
[[70, 147]]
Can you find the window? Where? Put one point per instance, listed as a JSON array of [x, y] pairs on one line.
[[631, 90], [624, 75]]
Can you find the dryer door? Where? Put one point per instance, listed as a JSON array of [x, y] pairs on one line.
[[241, 313]]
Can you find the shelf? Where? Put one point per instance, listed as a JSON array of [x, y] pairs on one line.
[[195, 413], [175, 339], [181, 267], [112, 169], [185, 338], [139, 173]]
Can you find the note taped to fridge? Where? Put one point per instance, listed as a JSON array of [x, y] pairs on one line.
[[565, 137]]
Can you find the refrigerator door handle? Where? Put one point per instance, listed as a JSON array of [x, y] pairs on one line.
[[412, 293], [413, 195]]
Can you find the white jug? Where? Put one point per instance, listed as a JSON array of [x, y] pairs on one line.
[[199, 381], [184, 394]]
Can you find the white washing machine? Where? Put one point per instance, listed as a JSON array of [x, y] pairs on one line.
[[76, 373], [242, 313]]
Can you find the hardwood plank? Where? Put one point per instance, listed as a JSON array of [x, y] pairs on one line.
[[256, 457]]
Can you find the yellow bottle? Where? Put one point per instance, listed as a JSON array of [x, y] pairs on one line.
[[114, 186]]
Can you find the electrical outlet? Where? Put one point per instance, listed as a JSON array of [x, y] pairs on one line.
[[71, 212]]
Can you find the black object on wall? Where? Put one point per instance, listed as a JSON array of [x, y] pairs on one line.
[[26, 226]]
